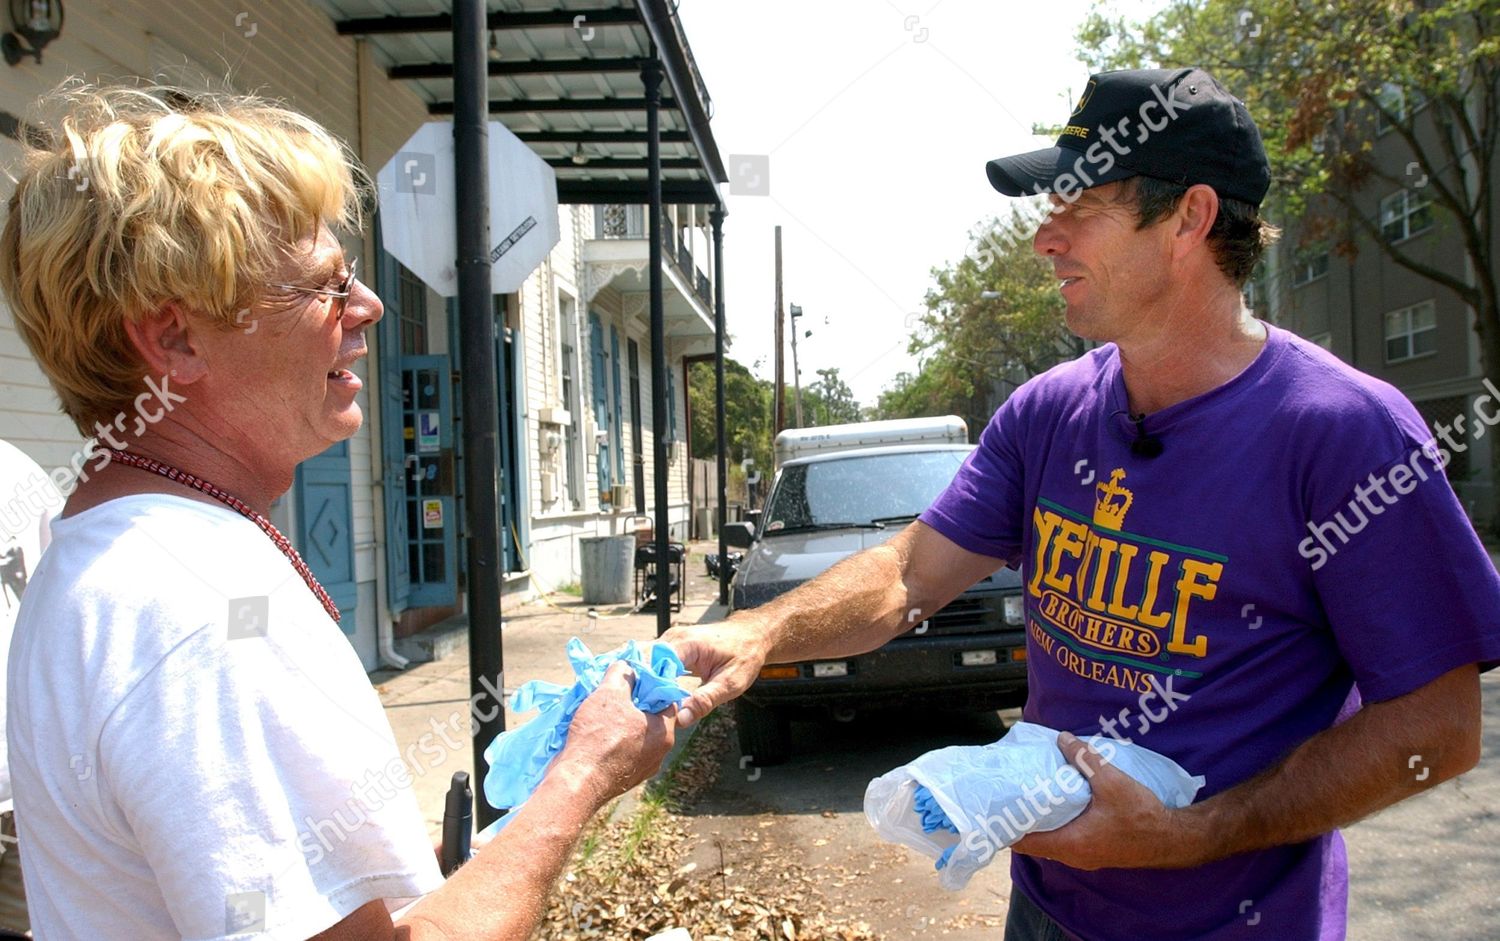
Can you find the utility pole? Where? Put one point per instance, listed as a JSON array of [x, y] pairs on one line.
[[796, 312], [780, 391], [483, 373]]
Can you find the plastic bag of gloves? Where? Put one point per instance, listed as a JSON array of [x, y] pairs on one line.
[[519, 758], [961, 805]]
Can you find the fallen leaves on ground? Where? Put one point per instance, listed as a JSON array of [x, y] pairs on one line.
[[629, 879]]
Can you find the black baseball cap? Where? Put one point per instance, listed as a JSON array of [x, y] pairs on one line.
[[1178, 125]]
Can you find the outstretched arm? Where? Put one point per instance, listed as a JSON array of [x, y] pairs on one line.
[[501, 894], [855, 606]]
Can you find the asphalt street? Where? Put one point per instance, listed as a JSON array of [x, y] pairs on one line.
[[1428, 867]]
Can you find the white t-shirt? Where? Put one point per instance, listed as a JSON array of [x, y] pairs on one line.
[[28, 502], [196, 750]]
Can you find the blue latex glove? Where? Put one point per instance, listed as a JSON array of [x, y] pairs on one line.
[[927, 807], [519, 757], [943, 859], [933, 819]]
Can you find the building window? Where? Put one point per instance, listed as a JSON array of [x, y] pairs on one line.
[[1309, 264], [1411, 332], [1396, 101], [1404, 214], [413, 309]]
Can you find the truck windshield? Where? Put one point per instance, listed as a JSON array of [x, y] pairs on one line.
[[856, 490]]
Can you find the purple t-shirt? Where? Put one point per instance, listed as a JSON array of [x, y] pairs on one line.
[[1218, 603]]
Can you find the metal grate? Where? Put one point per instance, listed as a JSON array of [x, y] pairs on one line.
[[964, 615]]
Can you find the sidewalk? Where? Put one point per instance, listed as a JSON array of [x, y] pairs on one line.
[[428, 704]]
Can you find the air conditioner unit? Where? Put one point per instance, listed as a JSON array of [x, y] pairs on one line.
[[619, 496], [553, 415], [591, 437], [549, 486]]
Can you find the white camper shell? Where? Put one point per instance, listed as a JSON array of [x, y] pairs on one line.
[[806, 442]]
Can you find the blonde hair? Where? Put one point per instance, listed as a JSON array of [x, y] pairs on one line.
[[144, 196]]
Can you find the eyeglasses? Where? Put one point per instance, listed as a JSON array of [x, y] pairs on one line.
[[340, 294]]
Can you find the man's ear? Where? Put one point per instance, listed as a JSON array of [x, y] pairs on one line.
[[166, 340], [1195, 217]]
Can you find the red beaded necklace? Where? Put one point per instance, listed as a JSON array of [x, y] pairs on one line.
[[239, 506]]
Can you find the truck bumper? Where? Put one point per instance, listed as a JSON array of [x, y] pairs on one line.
[[931, 669]]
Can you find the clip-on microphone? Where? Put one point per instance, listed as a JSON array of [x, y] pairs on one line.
[[1145, 445]]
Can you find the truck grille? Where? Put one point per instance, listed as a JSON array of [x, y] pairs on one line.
[[965, 615]]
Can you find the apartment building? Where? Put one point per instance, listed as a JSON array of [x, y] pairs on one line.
[[1333, 280]]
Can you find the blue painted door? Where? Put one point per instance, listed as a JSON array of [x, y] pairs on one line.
[[325, 526], [428, 480], [618, 432], [598, 377], [513, 517], [671, 405], [392, 447]]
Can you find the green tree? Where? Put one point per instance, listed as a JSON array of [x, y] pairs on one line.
[[747, 414], [829, 401], [994, 319], [1322, 80]]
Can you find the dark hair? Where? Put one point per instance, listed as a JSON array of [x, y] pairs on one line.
[[1239, 235]]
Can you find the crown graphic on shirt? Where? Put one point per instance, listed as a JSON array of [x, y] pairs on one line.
[[1112, 501]]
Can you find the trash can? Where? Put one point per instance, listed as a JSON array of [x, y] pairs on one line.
[[608, 568]]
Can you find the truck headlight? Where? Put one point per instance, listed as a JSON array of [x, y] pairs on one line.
[[1015, 610]]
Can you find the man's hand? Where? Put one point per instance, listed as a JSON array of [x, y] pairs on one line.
[[726, 657], [1339, 776], [612, 745], [1125, 826], [854, 607]]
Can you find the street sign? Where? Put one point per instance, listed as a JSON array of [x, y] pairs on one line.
[[417, 208]]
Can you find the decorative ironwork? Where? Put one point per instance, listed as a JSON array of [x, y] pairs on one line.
[[613, 220]]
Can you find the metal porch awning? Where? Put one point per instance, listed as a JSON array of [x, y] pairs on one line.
[[564, 76], [581, 83]]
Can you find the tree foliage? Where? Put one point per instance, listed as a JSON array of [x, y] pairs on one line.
[[1325, 83], [829, 401], [747, 413], [993, 320]]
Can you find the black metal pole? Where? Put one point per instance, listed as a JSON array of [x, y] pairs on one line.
[[716, 218], [651, 78], [476, 317]]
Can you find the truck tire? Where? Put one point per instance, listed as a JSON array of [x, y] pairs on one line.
[[765, 735]]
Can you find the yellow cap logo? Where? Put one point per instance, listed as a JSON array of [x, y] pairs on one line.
[[1088, 92]]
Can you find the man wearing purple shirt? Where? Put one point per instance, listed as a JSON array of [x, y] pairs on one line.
[[1238, 551]]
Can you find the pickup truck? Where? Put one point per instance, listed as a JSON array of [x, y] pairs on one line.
[[840, 490]]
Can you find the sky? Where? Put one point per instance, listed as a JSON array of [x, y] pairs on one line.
[[877, 117]]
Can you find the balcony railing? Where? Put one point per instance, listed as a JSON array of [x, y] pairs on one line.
[[617, 221]]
